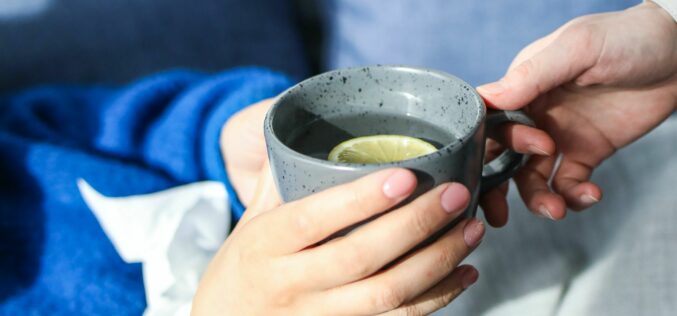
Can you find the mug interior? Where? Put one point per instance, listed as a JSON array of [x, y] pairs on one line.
[[353, 102]]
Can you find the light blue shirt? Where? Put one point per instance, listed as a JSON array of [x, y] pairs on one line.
[[618, 258]]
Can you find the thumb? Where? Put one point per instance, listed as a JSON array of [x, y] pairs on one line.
[[571, 53], [266, 196]]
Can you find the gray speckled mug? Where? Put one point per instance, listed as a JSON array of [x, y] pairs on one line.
[[386, 93]]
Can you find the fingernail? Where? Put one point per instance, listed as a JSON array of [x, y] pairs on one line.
[[473, 232], [399, 184], [537, 150], [492, 88], [543, 210], [470, 276], [588, 199], [455, 198]]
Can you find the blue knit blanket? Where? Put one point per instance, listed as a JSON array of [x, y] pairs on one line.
[[156, 133]]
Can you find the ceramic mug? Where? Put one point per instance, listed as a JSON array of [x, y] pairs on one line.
[[436, 98]]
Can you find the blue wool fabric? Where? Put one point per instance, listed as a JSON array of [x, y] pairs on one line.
[[156, 133]]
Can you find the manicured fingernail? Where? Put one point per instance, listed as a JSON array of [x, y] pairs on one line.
[[399, 184], [543, 210], [588, 199], [473, 232], [470, 276], [537, 150], [492, 88], [455, 198]]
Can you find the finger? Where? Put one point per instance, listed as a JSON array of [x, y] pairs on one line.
[[524, 139], [571, 181], [571, 53], [391, 288], [362, 252], [441, 295], [495, 205], [532, 183], [302, 223]]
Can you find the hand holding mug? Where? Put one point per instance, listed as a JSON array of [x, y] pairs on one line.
[[272, 262]]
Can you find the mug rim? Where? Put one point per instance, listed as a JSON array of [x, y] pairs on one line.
[[450, 148]]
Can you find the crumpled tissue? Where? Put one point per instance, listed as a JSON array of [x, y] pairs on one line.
[[173, 233]]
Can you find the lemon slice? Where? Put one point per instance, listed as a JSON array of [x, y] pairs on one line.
[[380, 149]]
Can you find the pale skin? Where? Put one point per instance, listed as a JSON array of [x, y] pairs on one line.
[[595, 85], [281, 269]]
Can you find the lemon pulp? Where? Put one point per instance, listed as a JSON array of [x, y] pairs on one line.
[[380, 149]]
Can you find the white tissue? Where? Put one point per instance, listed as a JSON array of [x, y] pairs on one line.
[[173, 233]]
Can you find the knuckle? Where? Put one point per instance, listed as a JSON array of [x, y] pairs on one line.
[[444, 300], [580, 24], [446, 258], [303, 226], [421, 224], [294, 281], [354, 195], [353, 261], [410, 310], [524, 69], [388, 298], [282, 299], [358, 201], [524, 72], [579, 35], [280, 290]]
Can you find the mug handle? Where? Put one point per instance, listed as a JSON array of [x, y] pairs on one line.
[[508, 162]]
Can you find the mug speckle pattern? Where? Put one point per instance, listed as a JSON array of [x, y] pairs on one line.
[[438, 98]]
